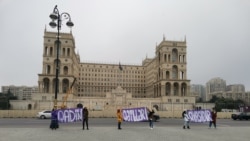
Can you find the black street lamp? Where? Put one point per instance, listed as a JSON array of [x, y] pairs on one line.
[[57, 22]]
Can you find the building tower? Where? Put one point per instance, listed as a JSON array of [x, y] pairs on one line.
[[170, 69], [68, 63]]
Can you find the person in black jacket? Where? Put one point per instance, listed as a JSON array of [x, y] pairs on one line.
[[85, 117], [150, 118]]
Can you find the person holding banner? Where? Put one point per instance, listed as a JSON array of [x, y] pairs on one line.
[[150, 118], [119, 118], [214, 116], [186, 120], [54, 120], [85, 118]]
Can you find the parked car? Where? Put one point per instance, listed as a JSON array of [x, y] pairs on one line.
[[44, 114], [241, 115]]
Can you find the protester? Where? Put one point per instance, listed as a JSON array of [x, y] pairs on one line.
[[150, 118], [186, 120], [213, 116], [119, 118], [85, 117], [54, 120]]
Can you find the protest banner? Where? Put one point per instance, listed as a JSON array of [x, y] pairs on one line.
[[135, 114], [203, 115], [69, 115]]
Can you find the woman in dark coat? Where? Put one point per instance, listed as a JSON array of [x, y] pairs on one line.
[[54, 120]]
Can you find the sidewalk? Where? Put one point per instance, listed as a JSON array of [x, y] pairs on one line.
[[126, 134]]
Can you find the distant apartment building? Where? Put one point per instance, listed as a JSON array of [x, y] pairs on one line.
[[215, 86], [218, 87], [21, 92], [198, 91], [236, 91]]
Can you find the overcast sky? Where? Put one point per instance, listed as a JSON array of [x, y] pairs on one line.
[[109, 31]]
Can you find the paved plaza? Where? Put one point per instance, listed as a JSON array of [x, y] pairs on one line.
[[174, 133]]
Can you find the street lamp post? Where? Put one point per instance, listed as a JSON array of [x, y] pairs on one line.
[[57, 18]]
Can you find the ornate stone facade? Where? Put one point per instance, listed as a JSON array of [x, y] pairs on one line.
[[161, 80]]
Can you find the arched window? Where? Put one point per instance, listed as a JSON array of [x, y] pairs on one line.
[[167, 75], [176, 89], [55, 46], [46, 85], [64, 52], [50, 51], [65, 85], [68, 52], [183, 89], [29, 106], [174, 55], [54, 85], [175, 72], [46, 51], [168, 89], [65, 70], [47, 69], [59, 63]]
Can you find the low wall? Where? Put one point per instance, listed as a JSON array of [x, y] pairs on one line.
[[97, 114]]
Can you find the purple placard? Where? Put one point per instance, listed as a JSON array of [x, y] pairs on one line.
[[135, 114], [69, 115], [203, 115]]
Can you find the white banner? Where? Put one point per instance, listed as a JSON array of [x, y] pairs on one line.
[[135, 114], [199, 115]]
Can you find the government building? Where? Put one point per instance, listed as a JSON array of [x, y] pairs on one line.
[[160, 81]]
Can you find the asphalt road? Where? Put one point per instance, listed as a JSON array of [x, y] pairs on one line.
[[111, 122], [105, 129]]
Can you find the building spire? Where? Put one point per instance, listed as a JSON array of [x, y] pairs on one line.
[[45, 28], [164, 37]]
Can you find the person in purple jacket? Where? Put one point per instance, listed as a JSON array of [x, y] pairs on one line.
[[54, 120]]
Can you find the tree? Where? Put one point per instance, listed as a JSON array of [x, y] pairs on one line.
[[226, 103], [5, 100]]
